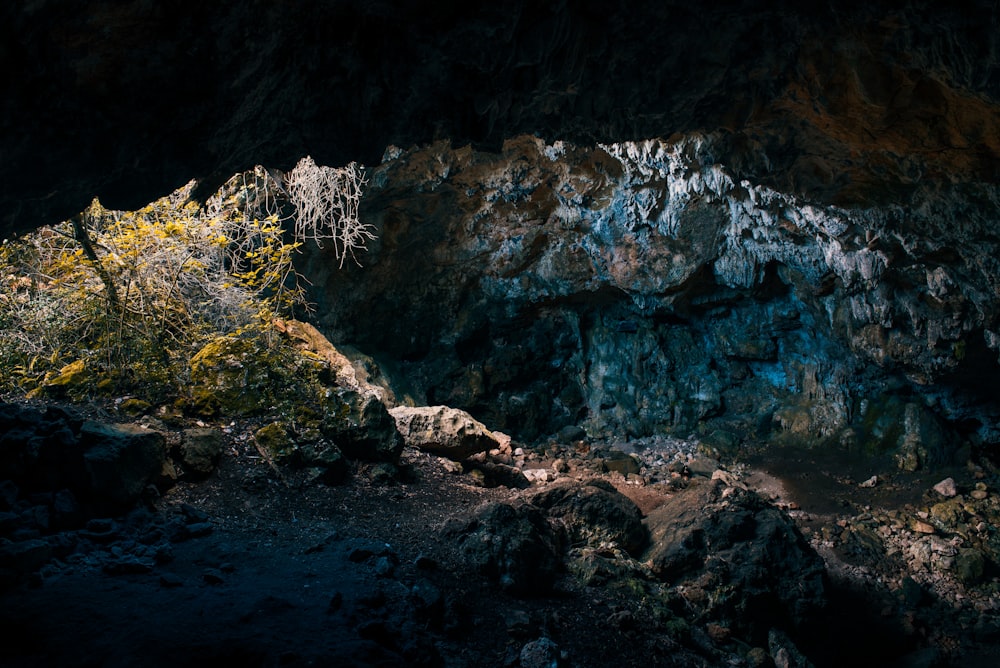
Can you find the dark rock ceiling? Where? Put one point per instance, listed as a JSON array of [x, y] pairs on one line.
[[853, 104]]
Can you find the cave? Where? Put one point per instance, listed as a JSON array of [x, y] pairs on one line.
[[707, 297]]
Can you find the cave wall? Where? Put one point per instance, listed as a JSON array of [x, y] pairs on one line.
[[643, 287], [791, 228]]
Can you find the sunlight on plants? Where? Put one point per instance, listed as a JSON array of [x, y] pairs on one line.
[[116, 301]]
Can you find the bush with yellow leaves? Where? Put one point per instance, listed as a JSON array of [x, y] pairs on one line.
[[115, 301]]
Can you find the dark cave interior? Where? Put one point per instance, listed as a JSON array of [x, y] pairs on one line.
[[758, 236]]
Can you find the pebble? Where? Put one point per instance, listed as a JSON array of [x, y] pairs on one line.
[[197, 530], [384, 567], [946, 488], [871, 482], [212, 576], [922, 527], [979, 494], [536, 475], [170, 581]]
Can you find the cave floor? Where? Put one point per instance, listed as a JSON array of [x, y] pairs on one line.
[[295, 574]]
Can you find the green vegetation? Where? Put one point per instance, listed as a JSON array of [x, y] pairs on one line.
[[175, 301]]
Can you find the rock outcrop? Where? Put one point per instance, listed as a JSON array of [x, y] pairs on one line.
[[762, 571], [55, 452], [646, 287], [808, 252]]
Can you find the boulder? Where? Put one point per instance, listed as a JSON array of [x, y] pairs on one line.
[[276, 441], [755, 566], [595, 514], [362, 427], [229, 377], [119, 461], [201, 449], [342, 371], [444, 431], [514, 545]]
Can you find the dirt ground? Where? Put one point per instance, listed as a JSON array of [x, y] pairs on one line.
[[262, 569]]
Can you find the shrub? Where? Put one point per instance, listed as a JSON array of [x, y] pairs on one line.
[[126, 299]]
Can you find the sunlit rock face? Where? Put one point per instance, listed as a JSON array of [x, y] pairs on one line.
[[649, 287], [809, 251]]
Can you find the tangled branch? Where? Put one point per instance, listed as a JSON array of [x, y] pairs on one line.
[[326, 202]]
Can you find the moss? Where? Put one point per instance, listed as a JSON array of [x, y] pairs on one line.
[[134, 407], [73, 374], [233, 375], [275, 440]]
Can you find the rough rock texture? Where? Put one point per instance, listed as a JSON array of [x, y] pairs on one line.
[[200, 449], [595, 514], [55, 453], [445, 431], [119, 461], [341, 371], [362, 427], [513, 544], [128, 100], [730, 540], [641, 287], [812, 252]]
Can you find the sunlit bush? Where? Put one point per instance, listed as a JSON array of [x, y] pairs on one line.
[[117, 301]]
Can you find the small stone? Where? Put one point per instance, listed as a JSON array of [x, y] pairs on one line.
[[718, 633], [425, 563], [519, 624], [193, 515], [701, 465], [212, 576], [946, 488], [922, 527], [979, 494], [871, 482], [757, 657], [127, 565], [969, 565], [541, 653], [170, 581], [427, 599], [198, 529], [384, 567], [536, 475]]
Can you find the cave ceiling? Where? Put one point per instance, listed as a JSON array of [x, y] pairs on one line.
[[852, 103]]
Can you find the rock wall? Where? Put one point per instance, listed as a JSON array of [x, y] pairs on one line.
[[657, 286]]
